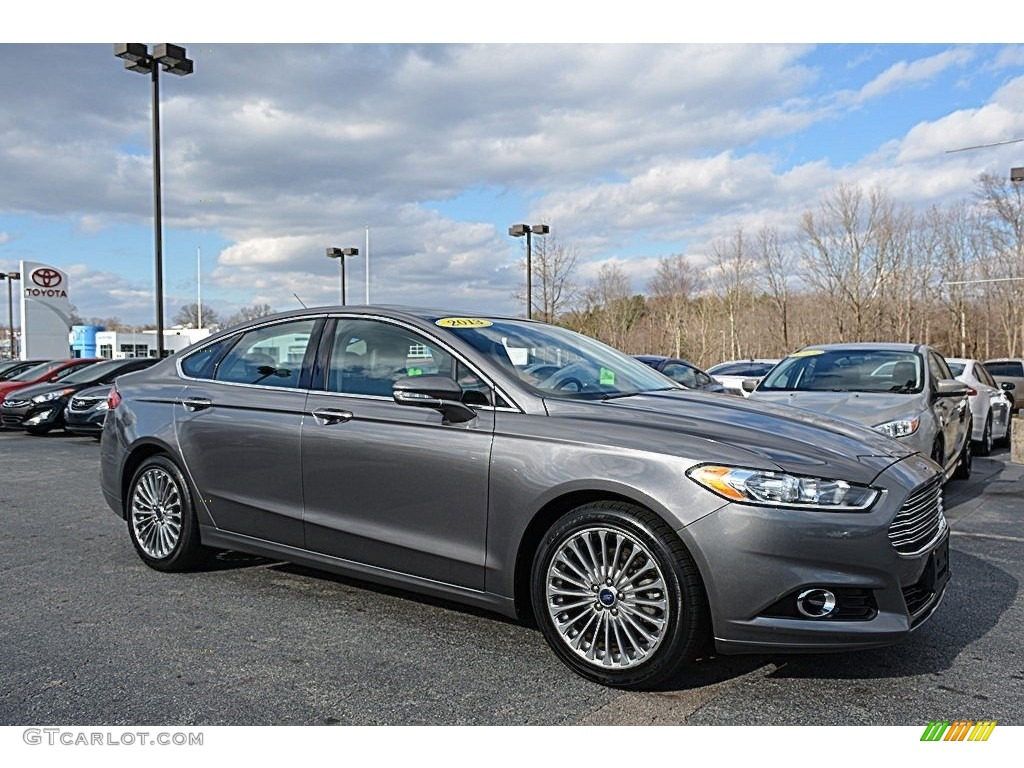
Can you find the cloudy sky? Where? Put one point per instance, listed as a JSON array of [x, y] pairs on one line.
[[272, 152]]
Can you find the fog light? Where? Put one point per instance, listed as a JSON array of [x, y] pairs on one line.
[[816, 603], [43, 416]]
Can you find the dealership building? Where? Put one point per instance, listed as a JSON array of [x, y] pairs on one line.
[[90, 341]]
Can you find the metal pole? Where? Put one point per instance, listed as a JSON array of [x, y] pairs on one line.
[[199, 289], [367, 263], [529, 277], [157, 217], [10, 313], [343, 280]]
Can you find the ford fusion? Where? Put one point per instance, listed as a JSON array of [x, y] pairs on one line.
[[529, 470]]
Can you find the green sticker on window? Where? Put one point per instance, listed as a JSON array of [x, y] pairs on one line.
[[414, 371], [607, 377]]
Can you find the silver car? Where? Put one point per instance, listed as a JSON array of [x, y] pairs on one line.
[[529, 470], [991, 404], [905, 391]]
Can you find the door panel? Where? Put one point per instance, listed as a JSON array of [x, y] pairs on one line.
[[394, 485]]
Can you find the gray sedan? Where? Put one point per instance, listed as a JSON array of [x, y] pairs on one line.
[[528, 470], [906, 391]]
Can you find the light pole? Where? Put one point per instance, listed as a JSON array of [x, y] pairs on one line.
[[10, 277], [172, 58], [518, 230], [341, 254]]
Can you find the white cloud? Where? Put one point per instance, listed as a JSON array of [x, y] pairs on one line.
[[905, 73]]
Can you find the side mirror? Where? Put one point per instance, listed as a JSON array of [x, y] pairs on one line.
[[1006, 386], [951, 388], [749, 385], [438, 392]]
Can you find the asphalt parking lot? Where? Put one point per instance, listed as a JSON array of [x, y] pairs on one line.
[[91, 636]]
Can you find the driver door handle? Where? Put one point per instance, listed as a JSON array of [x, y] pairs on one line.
[[197, 403], [327, 416]]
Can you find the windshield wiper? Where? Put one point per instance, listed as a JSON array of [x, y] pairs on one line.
[[617, 395]]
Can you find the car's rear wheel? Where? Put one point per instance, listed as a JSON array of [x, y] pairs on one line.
[[1008, 437], [618, 597], [985, 444], [161, 518], [965, 463]]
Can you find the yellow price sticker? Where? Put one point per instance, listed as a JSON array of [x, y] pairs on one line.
[[463, 322], [808, 353]]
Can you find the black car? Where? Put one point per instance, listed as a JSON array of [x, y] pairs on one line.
[[86, 410], [682, 372], [40, 408], [11, 368]]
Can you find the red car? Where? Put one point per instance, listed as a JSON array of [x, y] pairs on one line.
[[55, 370]]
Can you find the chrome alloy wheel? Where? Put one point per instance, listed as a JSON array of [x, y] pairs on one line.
[[607, 598], [156, 513]]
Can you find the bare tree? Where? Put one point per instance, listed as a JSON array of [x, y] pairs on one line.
[[671, 289], [188, 316], [776, 261], [846, 255], [246, 314], [732, 285], [1003, 202], [554, 286]]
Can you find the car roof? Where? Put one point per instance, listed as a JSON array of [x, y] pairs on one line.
[[881, 346]]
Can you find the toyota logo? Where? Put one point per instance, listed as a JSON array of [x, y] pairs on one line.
[[46, 277]]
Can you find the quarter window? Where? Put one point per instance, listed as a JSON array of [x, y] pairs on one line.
[[270, 356]]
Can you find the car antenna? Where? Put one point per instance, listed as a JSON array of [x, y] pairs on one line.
[[299, 300]]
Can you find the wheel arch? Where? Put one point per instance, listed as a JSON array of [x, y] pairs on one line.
[[138, 453], [556, 508]]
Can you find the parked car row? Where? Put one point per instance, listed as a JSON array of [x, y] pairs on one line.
[[61, 394]]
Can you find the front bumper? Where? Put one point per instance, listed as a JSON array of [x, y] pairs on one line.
[[84, 422], [49, 414], [757, 560]]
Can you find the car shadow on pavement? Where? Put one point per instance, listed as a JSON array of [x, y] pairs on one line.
[[977, 597], [227, 560]]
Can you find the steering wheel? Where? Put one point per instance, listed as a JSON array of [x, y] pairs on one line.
[[570, 383]]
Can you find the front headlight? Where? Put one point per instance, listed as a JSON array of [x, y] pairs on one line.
[[51, 395], [779, 489], [899, 428]]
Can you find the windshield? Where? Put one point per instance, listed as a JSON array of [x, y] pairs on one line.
[[554, 361], [858, 370], [40, 370], [93, 372]]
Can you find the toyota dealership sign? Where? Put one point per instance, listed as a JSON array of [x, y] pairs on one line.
[[45, 312]]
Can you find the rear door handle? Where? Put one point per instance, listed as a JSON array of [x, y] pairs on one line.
[[328, 416], [197, 403]]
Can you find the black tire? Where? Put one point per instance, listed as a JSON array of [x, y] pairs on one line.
[[1007, 439], [158, 478], [965, 462], [643, 547], [37, 431], [985, 444], [938, 454]]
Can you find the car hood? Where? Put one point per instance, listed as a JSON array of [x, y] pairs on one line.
[[31, 390], [867, 408], [731, 430]]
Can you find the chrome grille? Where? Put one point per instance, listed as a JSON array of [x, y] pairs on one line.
[[85, 403], [16, 403], [920, 520]]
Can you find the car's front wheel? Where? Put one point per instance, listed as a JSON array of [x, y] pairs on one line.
[[965, 463], [161, 518], [985, 444], [618, 597]]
